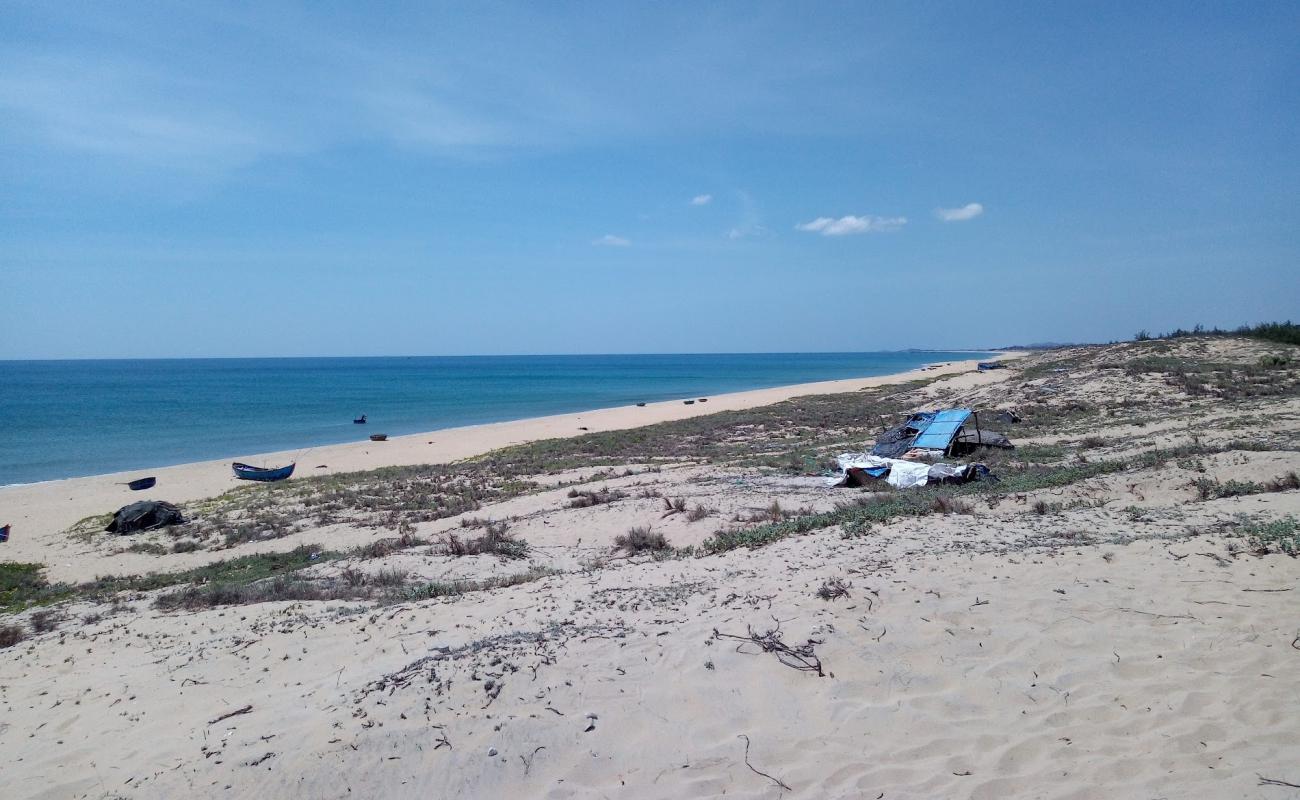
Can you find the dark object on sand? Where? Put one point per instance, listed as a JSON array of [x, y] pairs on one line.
[[582, 429], [4, 534], [985, 366], [142, 483], [959, 473], [952, 432], [973, 439], [361, 420], [688, 402], [1006, 416], [704, 399], [145, 515], [378, 437], [265, 474], [640, 405]]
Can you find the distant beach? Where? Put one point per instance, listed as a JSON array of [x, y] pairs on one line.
[[75, 418]]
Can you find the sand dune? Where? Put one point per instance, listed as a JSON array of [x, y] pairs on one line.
[[1106, 623]]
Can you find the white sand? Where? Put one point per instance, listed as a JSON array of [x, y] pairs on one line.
[[1124, 646]]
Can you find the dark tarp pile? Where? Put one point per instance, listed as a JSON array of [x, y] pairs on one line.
[[145, 515], [903, 455]]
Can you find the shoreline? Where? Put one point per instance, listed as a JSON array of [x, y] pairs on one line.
[[120, 423], [40, 510]]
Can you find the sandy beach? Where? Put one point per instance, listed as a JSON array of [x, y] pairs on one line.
[[1116, 618], [39, 511]]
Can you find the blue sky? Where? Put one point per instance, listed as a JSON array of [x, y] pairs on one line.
[[337, 179]]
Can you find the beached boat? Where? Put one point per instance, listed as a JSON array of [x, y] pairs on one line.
[[378, 437], [4, 533], [361, 420], [265, 474], [140, 484]]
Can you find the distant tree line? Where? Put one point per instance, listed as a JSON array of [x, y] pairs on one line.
[[1285, 332]]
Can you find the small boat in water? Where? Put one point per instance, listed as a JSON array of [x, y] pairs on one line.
[[265, 474], [361, 420], [378, 437], [139, 484]]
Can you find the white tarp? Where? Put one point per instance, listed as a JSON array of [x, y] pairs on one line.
[[902, 474]]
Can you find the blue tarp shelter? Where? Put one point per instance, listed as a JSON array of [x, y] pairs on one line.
[[942, 429]]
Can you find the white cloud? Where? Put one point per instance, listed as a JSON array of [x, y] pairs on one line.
[[610, 240], [968, 211], [701, 199], [844, 226]]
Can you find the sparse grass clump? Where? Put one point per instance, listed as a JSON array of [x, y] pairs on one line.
[[944, 504], [640, 540], [674, 505], [1284, 483], [833, 589], [1211, 489], [454, 588], [389, 545], [700, 512], [586, 498], [11, 635], [495, 541], [45, 620]]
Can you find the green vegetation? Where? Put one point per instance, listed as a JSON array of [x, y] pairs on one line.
[[641, 540], [1278, 536], [858, 517], [495, 541], [1283, 332], [453, 588], [1209, 489], [23, 585]]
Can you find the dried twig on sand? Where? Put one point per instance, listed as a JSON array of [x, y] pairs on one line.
[[833, 589], [777, 781], [1275, 782], [234, 713], [802, 657]]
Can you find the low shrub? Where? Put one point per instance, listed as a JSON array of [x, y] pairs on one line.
[[585, 498], [11, 635], [641, 540], [494, 541]]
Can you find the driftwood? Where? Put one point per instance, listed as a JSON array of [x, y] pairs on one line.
[[802, 657]]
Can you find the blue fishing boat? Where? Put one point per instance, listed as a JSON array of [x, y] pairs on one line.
[[361, 420], [4, 533], [248, 473], [142, 483]]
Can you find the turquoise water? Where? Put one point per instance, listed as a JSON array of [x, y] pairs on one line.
[[61, 419]]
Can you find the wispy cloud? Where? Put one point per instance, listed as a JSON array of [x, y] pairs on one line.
[[751, 222], [828, 226], [275, 82], [701, 199], [610, 240], [968, 211]]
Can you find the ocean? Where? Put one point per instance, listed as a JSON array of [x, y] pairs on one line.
[[62, 419]]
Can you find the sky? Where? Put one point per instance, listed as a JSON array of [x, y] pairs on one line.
[[281, 179]]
